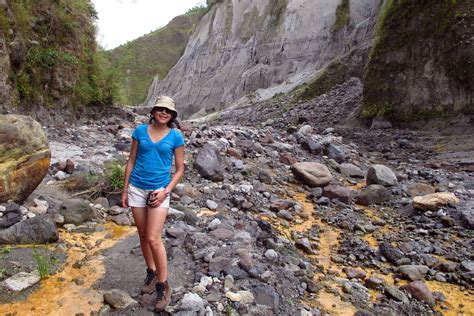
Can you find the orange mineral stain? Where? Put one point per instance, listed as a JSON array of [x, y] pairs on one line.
[[59, 294]]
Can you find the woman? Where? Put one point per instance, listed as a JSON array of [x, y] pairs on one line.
[[147, 188]]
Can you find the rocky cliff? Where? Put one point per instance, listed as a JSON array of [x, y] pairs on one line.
[[137, 62], [421, 65], [48, 56], [241, 46]]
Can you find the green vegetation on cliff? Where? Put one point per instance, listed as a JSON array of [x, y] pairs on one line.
[[343, 16], [421, 63], [53, 54], [335, 73], [139, 61]]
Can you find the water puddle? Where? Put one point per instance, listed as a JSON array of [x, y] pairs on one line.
[[69, 291]]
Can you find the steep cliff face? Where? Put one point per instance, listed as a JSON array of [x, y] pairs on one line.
[[137, 62], [242, 45], [421, 65], [48, 55]]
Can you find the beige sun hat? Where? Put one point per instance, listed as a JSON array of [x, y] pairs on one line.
[[165, 102]]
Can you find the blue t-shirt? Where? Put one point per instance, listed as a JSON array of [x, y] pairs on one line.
[[152, 168]]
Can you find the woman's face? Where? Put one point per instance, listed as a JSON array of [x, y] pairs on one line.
[[162, 115]]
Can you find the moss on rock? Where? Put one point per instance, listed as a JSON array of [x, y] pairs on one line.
[[343, 16], [420, 61]]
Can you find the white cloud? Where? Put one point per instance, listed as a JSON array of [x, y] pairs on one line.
[[123, 20]]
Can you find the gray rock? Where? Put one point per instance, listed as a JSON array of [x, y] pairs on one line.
[[305, 245], [76, 211], [285, 214], [374, 194], [340, 193], [418, 290], [336, 152], [396, 294], [21, 281], [122, 220], [467, 266], [245, 262], [413, 272], [354, 273], [313, 174], [119, 299], [236, 272], [222, 233], [116, 210], [271, 255], [10, 219], [209, 163], [383, 175], [390, 253], [211, 205], [191, 302], [267, 296], [374, 282], [312, 146], [37, 230], [351, 170]]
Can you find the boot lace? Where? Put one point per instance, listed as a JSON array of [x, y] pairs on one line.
[[160, 290], [150, 275]]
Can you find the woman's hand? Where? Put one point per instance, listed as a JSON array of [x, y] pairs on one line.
[[157, 197], [124, 198]]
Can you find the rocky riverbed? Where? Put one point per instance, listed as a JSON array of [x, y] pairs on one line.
[[281, 212]]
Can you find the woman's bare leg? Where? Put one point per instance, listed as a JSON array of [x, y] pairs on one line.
[[140, 216], [155, 221]]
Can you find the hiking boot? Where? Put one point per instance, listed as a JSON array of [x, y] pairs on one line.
[[150, 282], [163, 295]]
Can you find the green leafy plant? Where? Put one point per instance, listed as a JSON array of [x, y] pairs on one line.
[[5, 249], [43, 263], [3, 272], [114, 177]]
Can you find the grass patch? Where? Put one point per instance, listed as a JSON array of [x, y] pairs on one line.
[[111, 181], [43, 263], [5, 249], [335, 73]]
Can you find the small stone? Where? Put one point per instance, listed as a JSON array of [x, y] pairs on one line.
[[271, 255], [234, 297], [211, 205], [229, 281], [21, 281]]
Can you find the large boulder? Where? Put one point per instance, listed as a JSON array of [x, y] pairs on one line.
[[313, 174], [76, 211], [383, 175], [374, 194], [37, 230], [209, 163], [24, 156], [433, 201]]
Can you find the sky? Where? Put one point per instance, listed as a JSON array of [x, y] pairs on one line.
[[123, 20]]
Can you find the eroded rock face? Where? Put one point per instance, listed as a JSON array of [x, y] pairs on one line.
[[241, 46], [24, 156]]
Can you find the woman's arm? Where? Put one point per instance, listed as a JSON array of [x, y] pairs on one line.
[[179, 165], [128, 171]]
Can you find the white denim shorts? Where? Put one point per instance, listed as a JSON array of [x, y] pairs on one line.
[[138, 197]]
